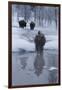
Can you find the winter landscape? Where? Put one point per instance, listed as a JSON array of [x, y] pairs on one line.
[[29, 68]]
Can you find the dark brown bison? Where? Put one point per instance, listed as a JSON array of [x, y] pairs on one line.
[[22, 23], [32, 25]]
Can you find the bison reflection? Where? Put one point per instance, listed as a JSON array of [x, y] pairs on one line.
[[38, 64]]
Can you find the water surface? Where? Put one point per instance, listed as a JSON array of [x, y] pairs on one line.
[[32, 68]]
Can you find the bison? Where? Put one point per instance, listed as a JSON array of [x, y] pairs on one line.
[[22, 23], [32, 25]]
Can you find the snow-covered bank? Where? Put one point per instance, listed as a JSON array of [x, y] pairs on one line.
[[22, 44], [22, 40], [51, 45], [28, 46]]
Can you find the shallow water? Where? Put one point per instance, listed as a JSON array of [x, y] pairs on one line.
[[32, 68]]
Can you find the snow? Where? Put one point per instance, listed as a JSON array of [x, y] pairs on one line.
[[23, 39], [52, 68], [51, 45], [28, 46], [23, 44]]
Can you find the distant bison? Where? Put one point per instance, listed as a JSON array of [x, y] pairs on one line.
[[22, 23], [32, 25]]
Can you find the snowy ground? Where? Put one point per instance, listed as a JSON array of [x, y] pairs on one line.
[[24, 39]]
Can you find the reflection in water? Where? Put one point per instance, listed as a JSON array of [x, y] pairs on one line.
[[39, 63], [23, 62], [32, 68]]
